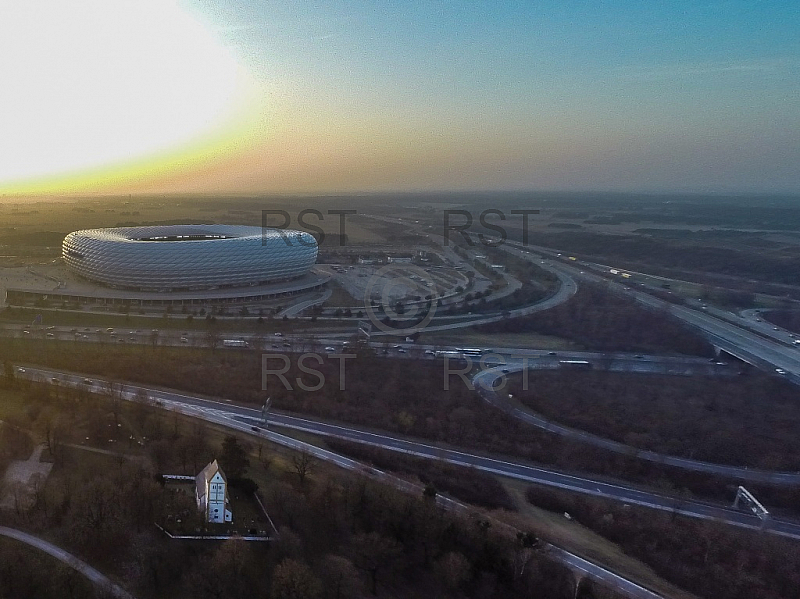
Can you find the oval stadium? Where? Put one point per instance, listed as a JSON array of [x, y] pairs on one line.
[[188, 257]]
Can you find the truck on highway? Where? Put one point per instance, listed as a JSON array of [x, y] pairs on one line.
[[450, 355], [575, 364], [235, 343], [473, 352]]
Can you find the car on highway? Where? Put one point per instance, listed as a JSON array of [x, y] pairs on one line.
[[50, 335], [21, 370], [88, 382], [184, 340], [330, 349], [780, 371]]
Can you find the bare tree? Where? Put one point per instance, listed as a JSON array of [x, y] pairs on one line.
[[54, 437], [212, 338], [292, 579], [199, 444], [374, 553], [303, 463], [183, 449], [113, 391], [340, 578], [141, 407]]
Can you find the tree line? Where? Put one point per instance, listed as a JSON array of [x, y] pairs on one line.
[[599, 319], [750, 420], [705, 557]]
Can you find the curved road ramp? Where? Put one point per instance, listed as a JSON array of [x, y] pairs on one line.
[[96, 577]]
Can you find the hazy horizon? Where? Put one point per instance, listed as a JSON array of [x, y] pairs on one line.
[[265, 98]]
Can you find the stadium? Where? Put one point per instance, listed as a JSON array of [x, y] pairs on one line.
[[184, 265], [188, 257]]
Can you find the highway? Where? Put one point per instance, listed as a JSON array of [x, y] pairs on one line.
[[485, 382], [748, 319], [761, 347], [296, 343], [515, 359], [242, 417], [248, 420], [764, 349]]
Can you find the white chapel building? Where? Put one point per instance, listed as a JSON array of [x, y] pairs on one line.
[[211, 492]]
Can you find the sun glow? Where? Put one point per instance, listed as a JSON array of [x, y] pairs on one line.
[[99, 89]]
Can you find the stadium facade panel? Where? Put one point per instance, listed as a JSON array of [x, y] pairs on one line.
[[188, 257]]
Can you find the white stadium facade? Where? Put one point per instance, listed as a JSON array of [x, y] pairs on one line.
[[188, 257], [180, 264]]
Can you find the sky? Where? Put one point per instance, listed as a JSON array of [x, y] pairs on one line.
[[261, 96]]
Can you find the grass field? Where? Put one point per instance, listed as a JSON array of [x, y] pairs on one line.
[[578, 539]]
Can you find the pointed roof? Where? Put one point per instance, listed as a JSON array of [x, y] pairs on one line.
[[207, 473]]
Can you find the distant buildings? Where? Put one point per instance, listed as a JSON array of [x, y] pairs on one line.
[[211, 493]]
